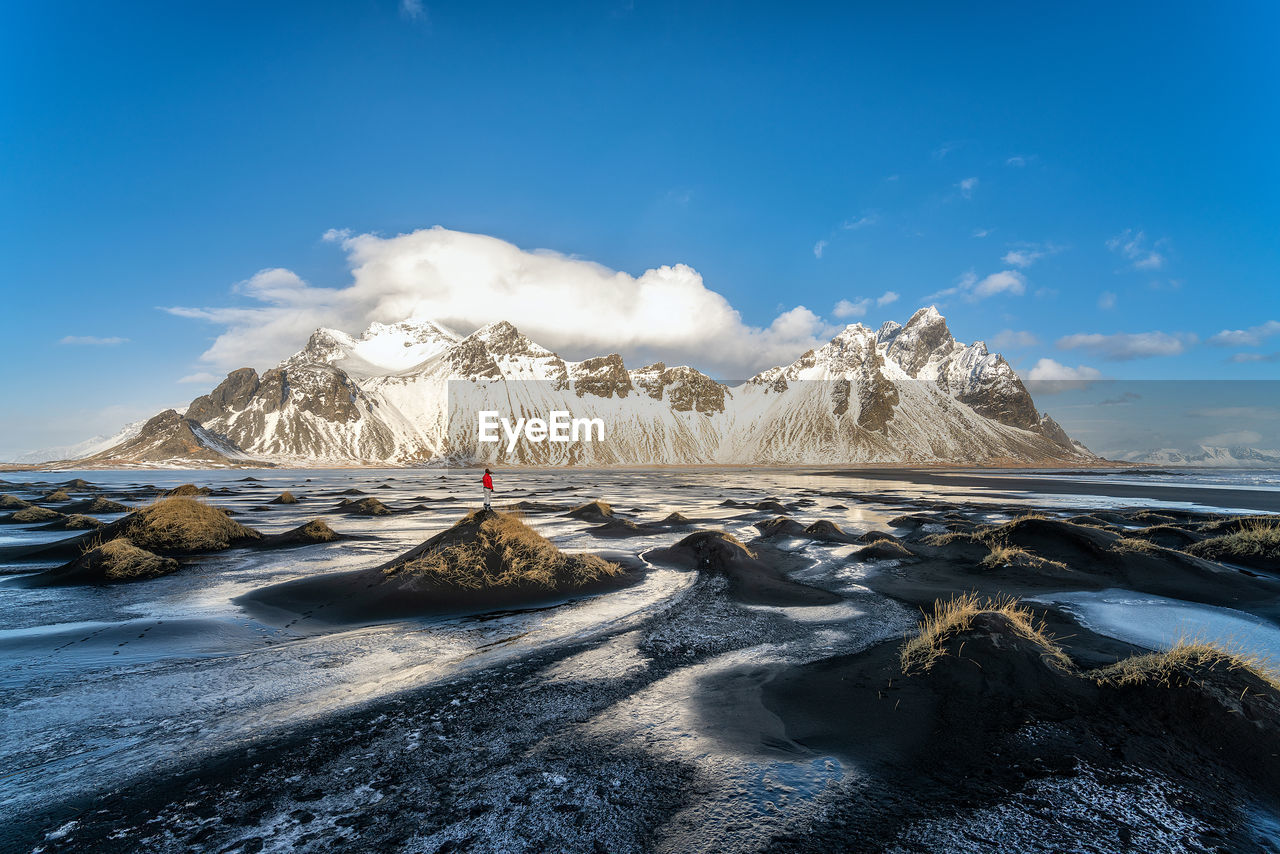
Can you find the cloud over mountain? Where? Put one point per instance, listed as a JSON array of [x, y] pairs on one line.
[[467, 280]]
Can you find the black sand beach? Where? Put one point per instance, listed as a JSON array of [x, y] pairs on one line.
[[738, 685]]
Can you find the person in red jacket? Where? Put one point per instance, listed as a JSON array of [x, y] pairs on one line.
[[487, 480]]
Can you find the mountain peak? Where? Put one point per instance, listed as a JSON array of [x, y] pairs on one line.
[[501, 338]]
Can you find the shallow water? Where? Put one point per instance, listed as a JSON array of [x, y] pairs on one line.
[[1156, 622]]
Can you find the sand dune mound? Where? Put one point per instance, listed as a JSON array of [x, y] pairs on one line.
[[676, 518], [57, 496], [780, 526], [883, 550], [187, 490], [73, 522], [315, 531], [364, 507], [113, 561], [751, 580], [97, 504], [488, 549], [285, 497], [824, 529], [976, 671], [592, 511], [32, 514], [1053, 539], [487, 560], [13, 502], [1254, 543], [181, 526]]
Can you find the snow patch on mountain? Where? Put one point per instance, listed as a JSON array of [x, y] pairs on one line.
[[1207, 457]]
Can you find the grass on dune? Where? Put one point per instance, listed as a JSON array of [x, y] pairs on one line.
[[956, 615], [1187, 661], [1184, 662], [121, 560], [1258, 539], [184, 524], [501, 551], [1004, 554]]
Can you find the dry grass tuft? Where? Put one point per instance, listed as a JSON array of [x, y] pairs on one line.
[[287, 497], [35, 514], [13, 502], [956, 615], [185, 525], [187, 490], [948, 538], [1186, 662], [1133, 544], [77, 522], [505, 552], [57, 495], [1004, 554], [318, 531], [121, 560], [1257, 539]]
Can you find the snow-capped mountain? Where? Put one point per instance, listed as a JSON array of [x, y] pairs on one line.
[[1207, 457], [409, 393]]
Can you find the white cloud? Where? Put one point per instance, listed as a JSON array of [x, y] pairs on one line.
[[413, 10], [943, 150], [1106, 300], [1022, 257], [1053, 377], [967, 186], [1006, 281], [1016, 161], [858, 308], [465, 280], [1129, 345], [92, 340], [972, 288], [1251, 337], [1028, 253], [845, 308], [1235, 412], [203, 378], [1009, 339], [861, 222], [818, 247], [1232, 437], [1134, 247], [1242, 358], [982, 232]]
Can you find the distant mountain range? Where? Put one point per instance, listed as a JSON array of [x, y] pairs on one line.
[[1207, 457], [407, 393]]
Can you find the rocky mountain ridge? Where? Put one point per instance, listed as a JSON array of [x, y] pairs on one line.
[[408, 393]]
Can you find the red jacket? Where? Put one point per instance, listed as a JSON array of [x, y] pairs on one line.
[[488, 481]]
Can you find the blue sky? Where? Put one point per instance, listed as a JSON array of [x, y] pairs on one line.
[[1091, 185]]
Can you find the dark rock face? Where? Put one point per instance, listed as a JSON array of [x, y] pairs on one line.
[[503, 339], [913, 345], [233, 393], [470, 359], [603, 376], [1008, 402], [687, 390], [877, 398], [1054, 433], [170, 436]]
